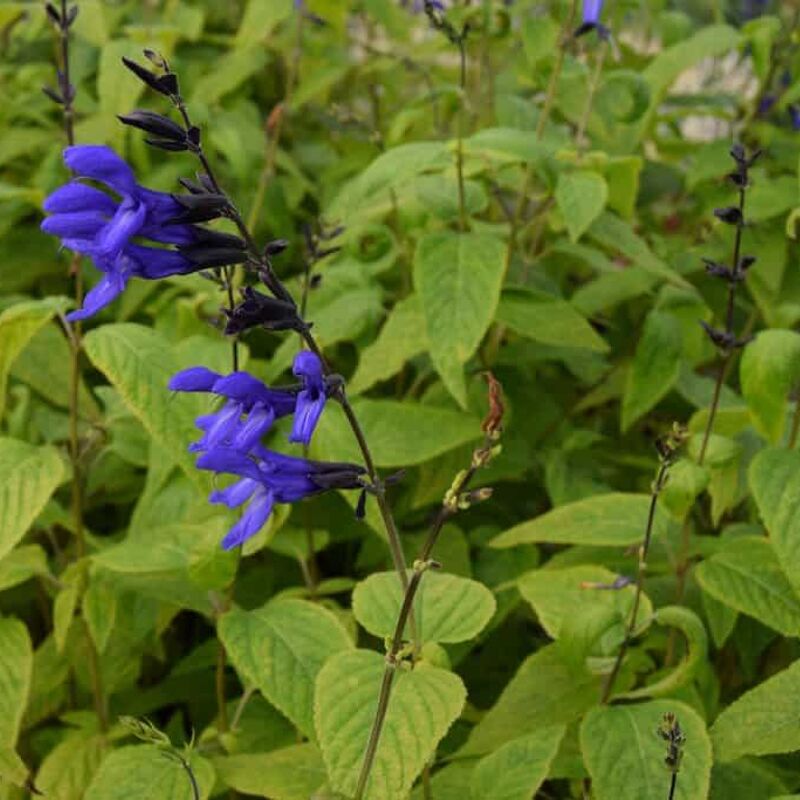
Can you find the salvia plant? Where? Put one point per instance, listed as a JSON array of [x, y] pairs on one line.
[[400, 400]]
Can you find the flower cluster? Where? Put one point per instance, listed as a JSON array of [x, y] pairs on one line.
[[231, 441], [94, 223], [132, 231]]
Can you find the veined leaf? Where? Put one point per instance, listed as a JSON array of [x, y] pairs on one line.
[[139, 363], [615, 519], [291, 773], [16, 667], [773, 477], [625, 756], [655, 366], [69, 767], [280, 648], [581, 197], [447, 608], [18, 325], [399, 434], [143, 772], [549, 691], [423, 704], [548, 320], [400, 339], [516, 770], [558, 595], [763, 720], [746, 575], [770, 369], [28, 476], [458, 278]]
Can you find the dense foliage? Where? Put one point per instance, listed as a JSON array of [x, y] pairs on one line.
[[518, 509]]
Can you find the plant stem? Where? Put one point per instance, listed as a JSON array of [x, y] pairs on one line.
[[658, 485], [274, 135], [594, 81], [795, 424], [732, 285], [462, 205], [544, 117], [673, 785], [448, 509], [75, 343]]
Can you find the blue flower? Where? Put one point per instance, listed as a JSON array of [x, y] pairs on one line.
[[95, 224], [251, 407], [592, 9], [794, 116], [266, 478], [311, 400]]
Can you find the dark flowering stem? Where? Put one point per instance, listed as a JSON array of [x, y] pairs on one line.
[[673, 785], [66, 92], [450, 506], [732, 285], [630, 631]]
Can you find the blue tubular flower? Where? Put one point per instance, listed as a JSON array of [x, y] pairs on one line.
[[794, 116], [592, 9], [311, 400], [271, 478], [251, 407], [94, 224]]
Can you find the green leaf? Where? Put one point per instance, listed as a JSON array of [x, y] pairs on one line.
[[12, 768], [458, 278], [22, 563], [558, 595], [547, 689], [423, 704], [69, 767], [539, 38], [447, 608], [139, 363], [259, 20], [117, 89], [692, 628], [399, 434], [389, 170], [773, 477], [291, 773], [508, 144], [229, 72], [763, 720], [439, 196], [401, 338], [548, 320], [618, 236], [280, 648], [625, 755], [581, 197], [28, 476], [769, 370], [18, 325], [99, 609], [145, 772], [746, 575], [516, 770], [655, 366], [16, 666], [616, 519]]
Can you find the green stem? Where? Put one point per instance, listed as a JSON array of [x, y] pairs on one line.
[[462, 205]]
